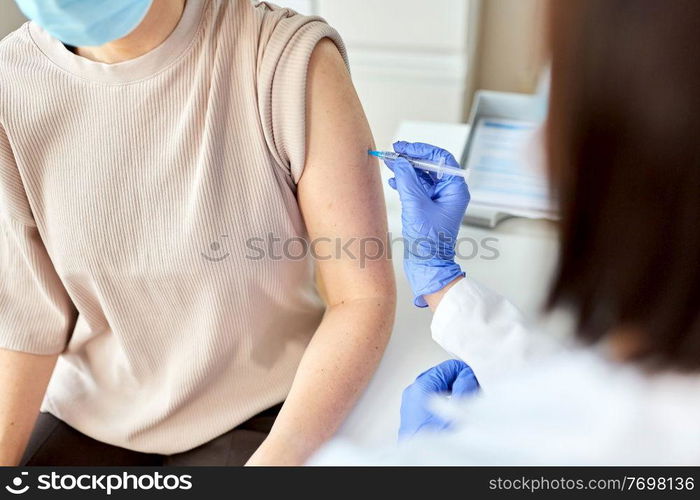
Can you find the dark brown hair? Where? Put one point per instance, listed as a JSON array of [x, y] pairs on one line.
[[623, 140]]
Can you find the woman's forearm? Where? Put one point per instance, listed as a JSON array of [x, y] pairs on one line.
[[335, 369], [23, 378]]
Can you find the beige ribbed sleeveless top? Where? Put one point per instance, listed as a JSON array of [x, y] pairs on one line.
[[134, 198]]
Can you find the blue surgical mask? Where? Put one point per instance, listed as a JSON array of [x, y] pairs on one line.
[[86, 23]]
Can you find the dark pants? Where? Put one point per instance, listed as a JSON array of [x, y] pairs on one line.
[[55, 443]]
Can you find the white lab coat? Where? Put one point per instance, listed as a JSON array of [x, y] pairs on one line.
[[543, 401]]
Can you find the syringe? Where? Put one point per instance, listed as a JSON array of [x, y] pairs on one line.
[[431, 166]]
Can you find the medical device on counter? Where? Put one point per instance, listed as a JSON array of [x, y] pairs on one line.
[[438, 168]]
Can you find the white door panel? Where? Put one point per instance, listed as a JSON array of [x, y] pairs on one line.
[[422, 25], [410, 59]]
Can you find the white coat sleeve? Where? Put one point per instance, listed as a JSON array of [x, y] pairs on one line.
[[483, 329]]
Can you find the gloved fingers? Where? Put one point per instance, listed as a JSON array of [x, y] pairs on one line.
[[428, 178], [466, 383], [423, 151], [435, 423], [452, 187], [392, 183], [389, 164], [440, 378], [407, 180], [428, 182]]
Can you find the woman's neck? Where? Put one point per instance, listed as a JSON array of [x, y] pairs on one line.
[[159, 23]]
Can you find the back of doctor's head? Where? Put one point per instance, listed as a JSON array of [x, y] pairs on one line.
[[624, 156]]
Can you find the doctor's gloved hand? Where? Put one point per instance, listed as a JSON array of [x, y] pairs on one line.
[[451, 377], [431, 214]]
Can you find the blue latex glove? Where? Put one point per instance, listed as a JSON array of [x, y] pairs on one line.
[[451, 377], [431, 213]]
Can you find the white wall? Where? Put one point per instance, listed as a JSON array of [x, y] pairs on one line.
[[10, 17], [423, 59], [410, 59]]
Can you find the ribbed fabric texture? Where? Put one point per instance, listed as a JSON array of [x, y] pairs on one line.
[[129, 198]]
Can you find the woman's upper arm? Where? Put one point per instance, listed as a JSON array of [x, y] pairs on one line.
[[340, 193]]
